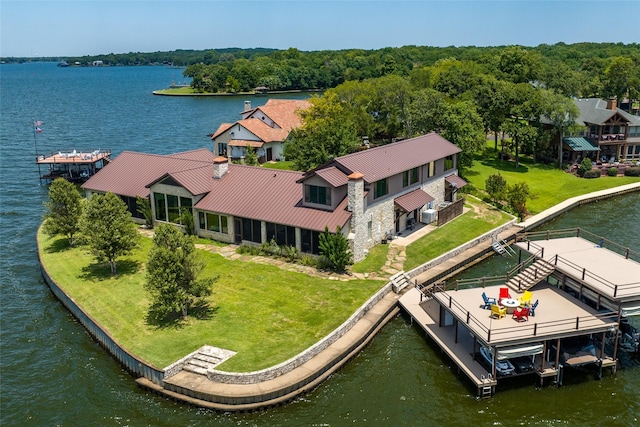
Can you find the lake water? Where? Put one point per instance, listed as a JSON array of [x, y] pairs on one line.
[[52, 373]]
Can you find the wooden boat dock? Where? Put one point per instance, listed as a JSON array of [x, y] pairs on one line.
[[575, 305], [72, 165]]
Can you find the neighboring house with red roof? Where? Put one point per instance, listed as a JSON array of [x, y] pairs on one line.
[[264, 128], [365, 195]]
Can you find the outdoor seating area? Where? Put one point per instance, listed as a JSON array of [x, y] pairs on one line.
[[520, 308]]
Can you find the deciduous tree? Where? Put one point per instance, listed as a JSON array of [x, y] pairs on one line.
[[64, 210], [496, 186], [108, 228], [327, 132], [173, 270]]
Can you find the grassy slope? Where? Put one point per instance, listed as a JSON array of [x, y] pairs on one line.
[[473, 223], [265, 314], [548, 185]]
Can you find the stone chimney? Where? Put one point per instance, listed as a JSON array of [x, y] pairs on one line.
[[247, 105], [220, 167], [355, 193], [612, 104]]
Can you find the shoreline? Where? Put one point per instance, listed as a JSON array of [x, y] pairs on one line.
[[160, 92], [199, 390]]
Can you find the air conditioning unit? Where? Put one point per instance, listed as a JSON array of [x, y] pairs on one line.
[[429, 216]]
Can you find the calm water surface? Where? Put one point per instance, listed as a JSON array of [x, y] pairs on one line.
[[52, 373]]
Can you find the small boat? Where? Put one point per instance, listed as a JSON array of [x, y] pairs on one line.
[[503, 367], [63, 64]]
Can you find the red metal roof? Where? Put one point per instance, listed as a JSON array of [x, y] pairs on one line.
[[333, 176], [455, 181], [413, 200], [131, 172], [391, 159], [268, 195]]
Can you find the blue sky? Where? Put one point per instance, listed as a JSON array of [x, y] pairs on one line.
[[88, 27]]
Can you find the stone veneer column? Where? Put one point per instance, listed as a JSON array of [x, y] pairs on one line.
[[220, 167], [355, 194]]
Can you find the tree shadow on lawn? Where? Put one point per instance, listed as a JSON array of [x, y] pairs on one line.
[[59, 245], [102, 271], [201, 310], [505, 165]]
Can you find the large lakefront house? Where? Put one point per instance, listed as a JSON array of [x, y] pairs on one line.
[[366, 195], [263, 128], [607, 134]]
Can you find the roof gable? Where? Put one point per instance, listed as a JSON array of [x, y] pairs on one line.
[[131, 172]]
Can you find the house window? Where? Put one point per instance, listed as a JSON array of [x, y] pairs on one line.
[[409, 177], [317, 194], [173, 208], [222, 149], [161, 206], [282, 234], [309, 241], [251, 230], [634, 131], [431, 169], [168, 206], [217, 223], [201, 221], [448, 163], [369, 228], [380, 188]]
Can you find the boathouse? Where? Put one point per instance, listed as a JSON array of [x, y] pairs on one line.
[[72, 165], [561, 307]]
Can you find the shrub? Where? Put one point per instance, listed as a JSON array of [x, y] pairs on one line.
[[592, 173], [335, 248], [632, 171], [308, 260], [517, 195], [612, 171], [585, 166], [496, 186], [291, 253]]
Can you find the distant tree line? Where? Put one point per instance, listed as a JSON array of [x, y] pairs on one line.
[[511, 91], [574, 70]]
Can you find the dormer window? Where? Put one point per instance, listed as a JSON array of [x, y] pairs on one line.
[[317, 194]]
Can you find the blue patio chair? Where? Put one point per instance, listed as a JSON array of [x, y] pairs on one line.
[[532, 309], [488, 301]]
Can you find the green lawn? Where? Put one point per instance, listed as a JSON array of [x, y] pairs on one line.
[[264, 313], [282, 165], [374, 261], [478, 220], [548, 185]]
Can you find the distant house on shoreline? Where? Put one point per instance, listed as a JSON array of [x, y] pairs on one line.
[[365, 195], [264, 128]]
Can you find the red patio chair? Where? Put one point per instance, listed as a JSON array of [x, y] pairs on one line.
[[504, 294], [521, 314]]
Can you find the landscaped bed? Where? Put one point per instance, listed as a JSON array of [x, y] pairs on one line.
[[262, 312]]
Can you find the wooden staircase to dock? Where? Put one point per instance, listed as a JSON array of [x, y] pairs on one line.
[[399, 281], [531, 275]]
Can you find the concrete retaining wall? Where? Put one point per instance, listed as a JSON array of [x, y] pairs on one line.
[[126, 359]]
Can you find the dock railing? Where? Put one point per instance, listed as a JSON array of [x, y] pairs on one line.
[[559, 326], [603, 242], [582, 273]]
